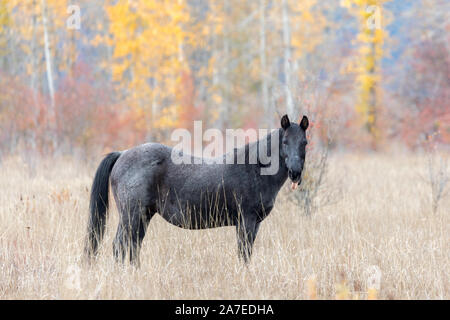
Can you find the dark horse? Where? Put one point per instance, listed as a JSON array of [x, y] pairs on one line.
[[145, 180]]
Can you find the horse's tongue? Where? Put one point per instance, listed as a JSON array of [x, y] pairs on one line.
[[294, 186]]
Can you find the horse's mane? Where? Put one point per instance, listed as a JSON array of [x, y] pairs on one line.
[[251, 149]]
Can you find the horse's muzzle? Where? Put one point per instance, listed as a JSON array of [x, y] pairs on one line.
[[295, 176]]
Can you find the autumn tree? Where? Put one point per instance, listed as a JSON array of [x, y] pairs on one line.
[[421, 94], [370, 48], [5, 24], [148, 59]]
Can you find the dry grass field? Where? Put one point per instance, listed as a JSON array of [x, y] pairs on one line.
[[382, 221]]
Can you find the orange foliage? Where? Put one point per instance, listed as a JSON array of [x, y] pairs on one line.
[[185, 94]]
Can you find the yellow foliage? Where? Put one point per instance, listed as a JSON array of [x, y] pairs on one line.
[[342, 291], [312, 288], [370, 39], [168, 118], [372, 294], [148, 38], [5, 21], [308, 25]]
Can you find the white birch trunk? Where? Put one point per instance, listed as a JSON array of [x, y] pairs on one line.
[[34, 76], [48, 64]]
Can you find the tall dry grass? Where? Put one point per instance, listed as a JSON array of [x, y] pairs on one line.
[[383, 220]]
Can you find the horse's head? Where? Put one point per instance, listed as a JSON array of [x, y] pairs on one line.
[[293, 147]]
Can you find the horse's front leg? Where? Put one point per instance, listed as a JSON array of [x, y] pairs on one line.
[[246, 231]]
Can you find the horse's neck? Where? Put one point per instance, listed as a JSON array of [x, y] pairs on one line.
[[279, 178]]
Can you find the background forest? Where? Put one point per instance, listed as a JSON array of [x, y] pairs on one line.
[[83, 77]]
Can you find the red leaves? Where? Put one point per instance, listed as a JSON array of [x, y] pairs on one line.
[[87, 117]]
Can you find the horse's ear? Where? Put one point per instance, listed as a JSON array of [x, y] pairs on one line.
[[285, 123], [304, 124]]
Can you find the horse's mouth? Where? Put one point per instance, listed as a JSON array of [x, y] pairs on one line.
[[294, 185], [296, 179]]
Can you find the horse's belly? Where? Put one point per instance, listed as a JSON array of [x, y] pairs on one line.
[[196, 217]]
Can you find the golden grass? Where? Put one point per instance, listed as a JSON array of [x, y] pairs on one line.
[[383, 219]]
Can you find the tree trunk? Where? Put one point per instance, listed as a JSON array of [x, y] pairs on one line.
[[287, 59], [34, 77], [51, 89]]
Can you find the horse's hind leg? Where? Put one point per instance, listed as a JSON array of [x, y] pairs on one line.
[[134, 220]]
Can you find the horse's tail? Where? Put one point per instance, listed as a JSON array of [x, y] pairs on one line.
[[98, 205]]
